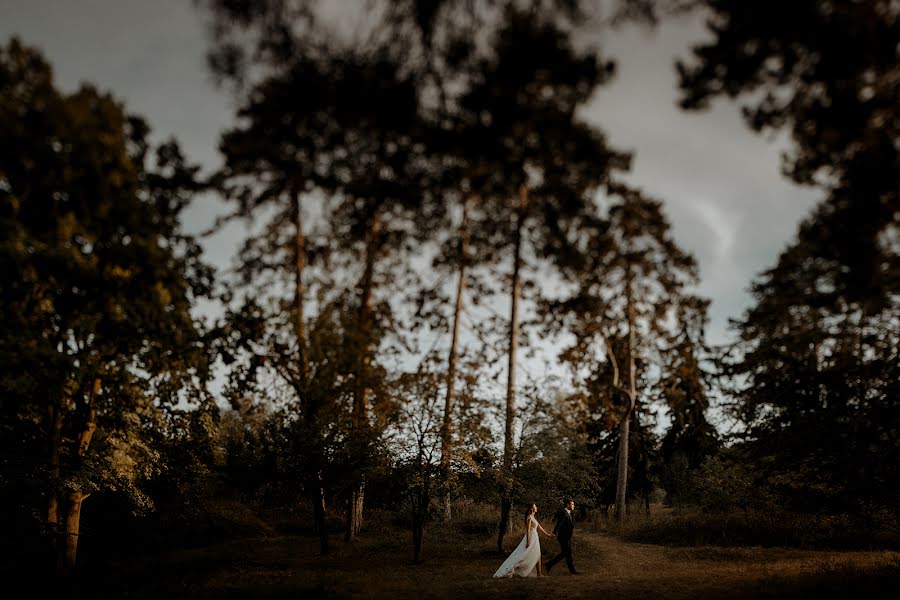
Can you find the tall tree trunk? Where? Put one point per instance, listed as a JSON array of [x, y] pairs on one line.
[[447, 427], [316, 492], [508, 447], [622, 475], [420, 511], [76, 497], [355, 510], [360, 414], [54, 433], [624, 423], [74, 500], [299, 263], [505, 509]]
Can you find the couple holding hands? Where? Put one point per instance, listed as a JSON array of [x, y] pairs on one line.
[[525, 560]]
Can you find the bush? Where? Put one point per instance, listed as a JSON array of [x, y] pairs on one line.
[[476, 518], [694, 526], [202, 523]]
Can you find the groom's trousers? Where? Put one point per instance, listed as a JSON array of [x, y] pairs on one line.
[[565, 552]]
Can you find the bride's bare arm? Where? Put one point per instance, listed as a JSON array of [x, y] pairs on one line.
[[528, 532], [541, 527]]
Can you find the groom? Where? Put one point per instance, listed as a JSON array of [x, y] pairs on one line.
[[565, 525]]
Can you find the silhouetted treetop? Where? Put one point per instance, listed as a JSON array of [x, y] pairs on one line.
[[828, 72]]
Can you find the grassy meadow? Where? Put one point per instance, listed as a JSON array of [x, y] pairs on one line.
[[277, 557]]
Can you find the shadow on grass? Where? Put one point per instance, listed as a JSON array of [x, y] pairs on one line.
[[836, 579], [693, 527]]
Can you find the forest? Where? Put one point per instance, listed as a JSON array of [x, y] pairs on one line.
[[349, 410]]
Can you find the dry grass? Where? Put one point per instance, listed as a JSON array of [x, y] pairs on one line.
[[460, 565], [694, 527]]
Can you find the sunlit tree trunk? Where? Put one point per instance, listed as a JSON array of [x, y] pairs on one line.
[[74, 500], [54, 431], [75, 497], [447, 428], [508, 447], [360, 392]]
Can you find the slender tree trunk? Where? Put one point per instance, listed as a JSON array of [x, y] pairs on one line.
[[299, 263], [74, 500], [420, 512], [90, 421], [624, 423], [447, 428], [316, 493], [508, 447], [54, 432], [360, 415], [76, 497], [355, 510], [505, 509], [418, 534], [622, 475], [316, 490]]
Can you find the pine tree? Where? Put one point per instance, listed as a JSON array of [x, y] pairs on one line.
[[816, 347], [544, 164], [629, 281], [683, 390], [817, 379], [827, 73]]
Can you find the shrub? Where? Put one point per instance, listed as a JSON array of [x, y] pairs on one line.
[[475, 518], [694, 526]]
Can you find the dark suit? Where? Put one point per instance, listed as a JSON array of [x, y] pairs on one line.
[[563, 529]]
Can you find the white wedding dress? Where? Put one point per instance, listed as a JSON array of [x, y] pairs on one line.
[[524, 560]]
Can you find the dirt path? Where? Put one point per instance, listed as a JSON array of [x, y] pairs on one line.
[[615, 569], [461, 567], [622, 569]]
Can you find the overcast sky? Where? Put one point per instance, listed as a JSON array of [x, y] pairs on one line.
[[720, 183]]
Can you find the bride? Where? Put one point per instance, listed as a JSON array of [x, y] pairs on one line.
[[525, 560]]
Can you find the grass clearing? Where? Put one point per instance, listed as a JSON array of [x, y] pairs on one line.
[[460, 565]]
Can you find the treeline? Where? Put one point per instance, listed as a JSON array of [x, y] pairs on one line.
[[402, 180]]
